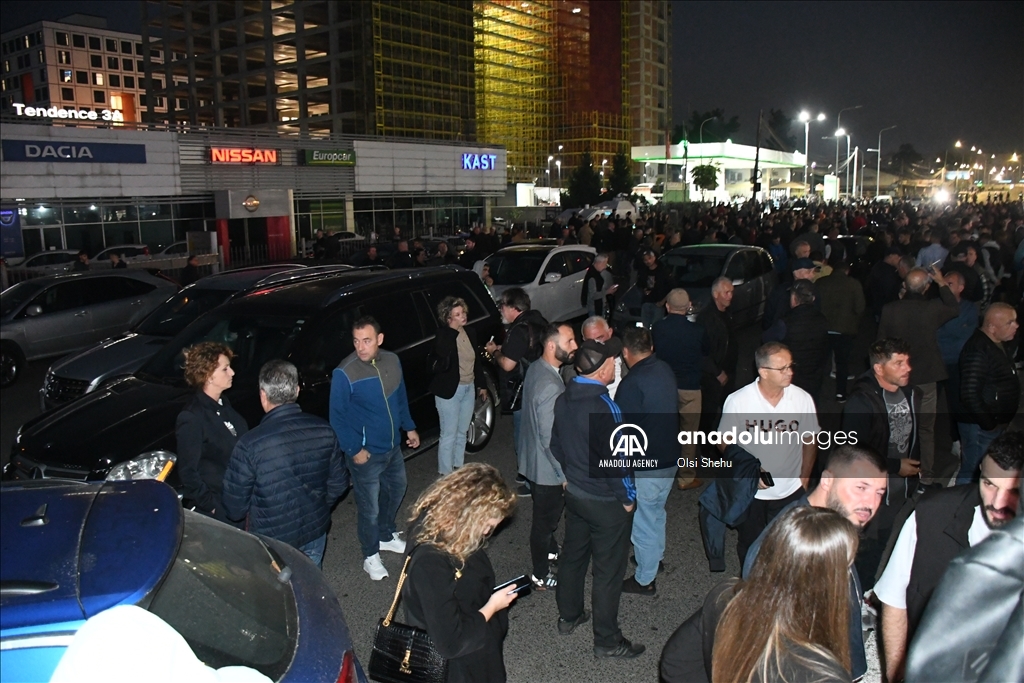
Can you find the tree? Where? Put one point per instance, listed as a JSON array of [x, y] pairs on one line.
[[718, 129], [621, 179], [584, 185], [705, 177], [779, 126]]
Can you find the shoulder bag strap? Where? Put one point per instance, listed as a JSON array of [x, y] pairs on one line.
[[398, 593]]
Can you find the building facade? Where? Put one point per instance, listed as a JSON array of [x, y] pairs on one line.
[[75, 65], [650, 71]]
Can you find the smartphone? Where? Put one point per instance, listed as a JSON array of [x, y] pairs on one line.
[[766, 479], [522, 585]]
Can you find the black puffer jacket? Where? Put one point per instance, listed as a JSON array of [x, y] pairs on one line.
[[286, 474], [989, 388]]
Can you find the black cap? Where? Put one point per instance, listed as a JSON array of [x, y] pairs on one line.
[[893, 251], [591, 355], [801, 264]]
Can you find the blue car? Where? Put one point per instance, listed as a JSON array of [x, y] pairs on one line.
[[69, 551]]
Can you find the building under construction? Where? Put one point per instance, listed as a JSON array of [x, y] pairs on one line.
[[549, 79]]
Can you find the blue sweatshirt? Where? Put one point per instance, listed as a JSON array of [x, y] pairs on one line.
[[369, 405]]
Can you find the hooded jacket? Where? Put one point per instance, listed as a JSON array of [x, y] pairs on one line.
[[866, 415]]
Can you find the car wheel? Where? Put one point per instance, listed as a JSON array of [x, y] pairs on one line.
[[11, 364], [485, 413]]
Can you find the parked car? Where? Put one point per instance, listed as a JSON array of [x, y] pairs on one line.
[[173, 249], [73, 550], [57, 314], [307, 321], [46, 263], [127, 252], [551, 275], [695, 268], [123, 354]]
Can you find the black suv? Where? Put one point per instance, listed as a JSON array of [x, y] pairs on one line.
[[307, 321]]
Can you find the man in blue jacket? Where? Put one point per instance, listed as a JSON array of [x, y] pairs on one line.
[[287, 472], [369, 407], [598, 500]]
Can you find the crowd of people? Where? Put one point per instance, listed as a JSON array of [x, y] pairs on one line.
[[832, 531]]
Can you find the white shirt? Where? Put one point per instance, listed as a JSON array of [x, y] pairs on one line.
[[747, 410], [614, 386], [892, 585]]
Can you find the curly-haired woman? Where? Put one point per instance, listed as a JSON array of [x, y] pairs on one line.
[[449, 591], [208, 428]]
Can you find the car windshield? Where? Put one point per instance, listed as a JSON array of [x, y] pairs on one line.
[[172, 316], [694, 270], [223, 596], [13, 297], [516, 267], [255, 339]]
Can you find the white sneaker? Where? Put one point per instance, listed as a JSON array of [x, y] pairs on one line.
[[375, 568], [395, 545]]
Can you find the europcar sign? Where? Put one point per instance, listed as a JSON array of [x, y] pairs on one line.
[[69, 151], [329, 157]]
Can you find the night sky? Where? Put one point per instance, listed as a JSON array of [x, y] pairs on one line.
[[940, 71]]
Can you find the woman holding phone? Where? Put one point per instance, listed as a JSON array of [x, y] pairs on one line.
[[449, 591]]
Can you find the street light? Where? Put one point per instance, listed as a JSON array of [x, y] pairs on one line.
[[878, 173], [841, 132], [558, 163], [603, 162], [550, 159], [701, 131], [839, 124], [806, 118]]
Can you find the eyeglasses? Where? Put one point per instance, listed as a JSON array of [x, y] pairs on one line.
[[786, 368]]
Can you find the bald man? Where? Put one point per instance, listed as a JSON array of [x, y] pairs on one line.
[[989, 387], [685, 346], [917, 319]]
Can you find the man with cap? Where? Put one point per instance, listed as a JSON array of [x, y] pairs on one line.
[[600, 497], [778, 303]]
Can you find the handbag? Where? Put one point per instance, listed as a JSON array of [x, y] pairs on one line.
[[404, 654]]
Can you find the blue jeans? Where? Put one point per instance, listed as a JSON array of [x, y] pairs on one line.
[[648, 537], [379, 485], [650, 314], [314, 550], [974, 441], [456, 413]]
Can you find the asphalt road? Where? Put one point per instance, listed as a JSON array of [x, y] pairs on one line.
[[534, 651]]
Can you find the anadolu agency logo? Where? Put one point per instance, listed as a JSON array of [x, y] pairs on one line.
[[628, 449]]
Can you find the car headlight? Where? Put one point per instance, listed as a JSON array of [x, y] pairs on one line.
[[152, 465]]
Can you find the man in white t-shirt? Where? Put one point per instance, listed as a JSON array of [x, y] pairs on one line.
[[782, 425], [950, 521]]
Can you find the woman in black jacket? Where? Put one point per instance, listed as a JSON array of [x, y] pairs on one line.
[[456, 370], [449, 591], [208, 428]]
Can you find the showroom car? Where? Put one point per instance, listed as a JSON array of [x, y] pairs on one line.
[[73, 550], [551, 275]]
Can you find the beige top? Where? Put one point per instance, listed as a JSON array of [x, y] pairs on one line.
[[466, 357]]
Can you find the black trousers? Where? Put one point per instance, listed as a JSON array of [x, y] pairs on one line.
[[548, 503], [759, 514], [600, 530], [841, 345]]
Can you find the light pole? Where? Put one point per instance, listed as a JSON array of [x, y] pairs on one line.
[[878, 173], [701, 130], [806, 118], [550, 159], [558, 163], [841, 132], [604, 178], [839, 125]]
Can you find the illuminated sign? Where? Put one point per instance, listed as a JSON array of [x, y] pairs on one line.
[[60, 113], [243, 155], [67, 151], [251, 203], [478, 162], [329, 157]]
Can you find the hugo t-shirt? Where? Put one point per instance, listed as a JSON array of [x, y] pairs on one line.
[[785, 428]]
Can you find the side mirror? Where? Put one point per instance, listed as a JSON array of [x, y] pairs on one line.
[[33, 310], [552, 277]]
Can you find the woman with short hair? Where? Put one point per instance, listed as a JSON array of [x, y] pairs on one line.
[[449, 591], [208, 428]]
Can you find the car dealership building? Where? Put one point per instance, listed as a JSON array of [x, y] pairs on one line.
[[90, 184]]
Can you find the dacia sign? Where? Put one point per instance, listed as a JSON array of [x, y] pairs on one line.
[[478, 162], [69, 151]]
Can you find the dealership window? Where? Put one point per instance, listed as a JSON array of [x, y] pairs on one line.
[[96, 61], [126, 47], [99, 97], [94, 42], [63, 56], [65, 75], [78, 40], [129, 81], [82, 78], [97, 78], [67, 94], [114, 80], [113, 63], [62, 38], [127, 64]]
